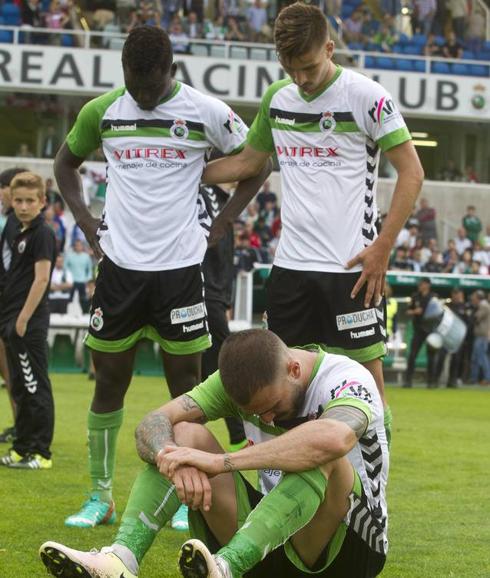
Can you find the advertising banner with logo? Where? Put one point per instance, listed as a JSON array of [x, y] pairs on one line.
[[91, 72]]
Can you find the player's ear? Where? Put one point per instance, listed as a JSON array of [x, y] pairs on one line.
[[294, 369]]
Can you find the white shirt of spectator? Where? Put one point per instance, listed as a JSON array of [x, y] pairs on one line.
[[462, 245], [59, 276]]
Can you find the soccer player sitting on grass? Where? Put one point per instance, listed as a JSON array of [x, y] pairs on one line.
[[314, 421]]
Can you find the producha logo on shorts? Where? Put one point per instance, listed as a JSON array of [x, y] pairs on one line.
[[356, 319], [383, 108], [179, 129], [187, 314]]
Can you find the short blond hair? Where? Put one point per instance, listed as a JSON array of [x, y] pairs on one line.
[[28, 180], [298, 29]]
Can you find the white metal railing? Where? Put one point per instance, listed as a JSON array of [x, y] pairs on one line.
[[223, 48]]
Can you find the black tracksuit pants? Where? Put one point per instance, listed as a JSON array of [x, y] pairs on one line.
[[31, 389]]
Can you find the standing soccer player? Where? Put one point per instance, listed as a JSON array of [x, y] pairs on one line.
[[155, 132], [327, 126]]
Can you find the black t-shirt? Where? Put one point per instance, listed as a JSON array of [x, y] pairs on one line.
[[218, 261], [6, 240], [36, 243], [419, 300]]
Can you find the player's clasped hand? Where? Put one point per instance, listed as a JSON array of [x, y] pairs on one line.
[[374, 261], [191, 482]]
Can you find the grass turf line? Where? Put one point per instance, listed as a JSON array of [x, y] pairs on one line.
[[438, 496]]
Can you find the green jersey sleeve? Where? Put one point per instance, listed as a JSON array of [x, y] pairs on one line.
[[212, 398], [260, 134], [85, 135]]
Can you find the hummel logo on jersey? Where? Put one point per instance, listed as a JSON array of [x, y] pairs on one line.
[[381, 109], [118, 127], [320, 152], [149, 153]]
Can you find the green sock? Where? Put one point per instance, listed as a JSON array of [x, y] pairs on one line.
[[103, 429], [388, 423], [279, 515], [152, 503]]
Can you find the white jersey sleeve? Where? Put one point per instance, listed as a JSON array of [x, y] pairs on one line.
[[376, 114], [225, 130]]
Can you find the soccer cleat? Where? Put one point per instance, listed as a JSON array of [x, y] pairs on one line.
[[32, 462], [68, 563], [12, 457], [180, 520], [8, 435], [93, 513], [196, 561]]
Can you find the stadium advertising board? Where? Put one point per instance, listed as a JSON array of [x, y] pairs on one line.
[[84, 71]]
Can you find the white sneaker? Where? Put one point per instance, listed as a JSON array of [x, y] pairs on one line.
[[196, 561], [66, 562]]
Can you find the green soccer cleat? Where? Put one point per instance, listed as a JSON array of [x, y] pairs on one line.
[[32, 462], [196, 561], [94, 512], [68, 563], [180, 520], [11, 457]]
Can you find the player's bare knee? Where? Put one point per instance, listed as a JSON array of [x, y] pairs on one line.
[[194, 435]]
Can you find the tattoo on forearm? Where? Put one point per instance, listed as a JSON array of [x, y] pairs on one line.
[[154, 432], [188, 405], [228, 463], [351, 416]]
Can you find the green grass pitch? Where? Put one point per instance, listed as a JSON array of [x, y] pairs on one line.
[[438, 489]]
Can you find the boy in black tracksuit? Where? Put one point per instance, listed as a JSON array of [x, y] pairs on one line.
[[24, 320]]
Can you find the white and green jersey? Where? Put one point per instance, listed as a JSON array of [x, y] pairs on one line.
[[328, 146], [155, 159], [336, 381]]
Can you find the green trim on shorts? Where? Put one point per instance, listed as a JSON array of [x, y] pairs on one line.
[[334, 545], [148, 332], [363, 354]]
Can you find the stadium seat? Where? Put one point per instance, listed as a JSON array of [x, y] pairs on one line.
[[460, 69], [419, 39], [479, 70], [413, 49], [147, 362], [439, 40], [10, 14], [200, 49], [485, 56], [6, 36], [468, 55], [258, 54], [218, 51], [66, 40], [385, 63], [440, 68], [356, 46], [403, 64], [347, 10], [238, 52], [419, 65], [398, 48], [369, 62], [403, 39]]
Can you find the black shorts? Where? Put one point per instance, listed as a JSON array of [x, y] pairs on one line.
[[354, 560], [313, 307], [165, 306]]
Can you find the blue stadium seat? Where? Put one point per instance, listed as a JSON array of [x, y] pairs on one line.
[[420, 39], [440, 68], [385, 63], [403, 39], [413, 49], [10, 14], [479, 70], [487, 46], [398, 48], [419, 65], [468, 55], [67, 40], [485, 56], [403, 64], [347, 10], [460, 69], [369, 62], [356, 46], [439, 40], [372, 47], [6, 36]]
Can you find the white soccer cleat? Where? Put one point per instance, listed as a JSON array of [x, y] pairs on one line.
[[196, 561], [68, 563]]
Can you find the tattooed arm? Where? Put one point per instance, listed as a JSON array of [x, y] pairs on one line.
[[156, 429]]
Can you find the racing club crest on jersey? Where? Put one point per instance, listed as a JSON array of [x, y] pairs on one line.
[[21, 246], [97, 319], [179, 129], [327, 123]]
